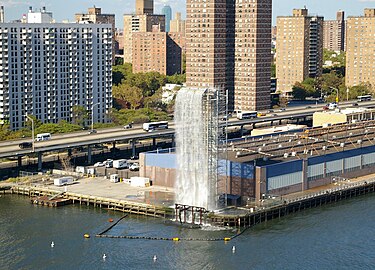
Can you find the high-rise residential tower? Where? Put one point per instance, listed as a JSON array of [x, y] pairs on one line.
[[299, 52], [360, 55], [46, 69], [167, 12], [94, 15], [143, 21], [334, 33], [228, 46]]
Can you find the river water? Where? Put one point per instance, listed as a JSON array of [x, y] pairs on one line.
[[339, 236]]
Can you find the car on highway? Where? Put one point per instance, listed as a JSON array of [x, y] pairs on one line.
[[25, 145], [308, 107], [270, 111], [134, 166], [134, 157], [108, 163], [282, 110], [355, 104], [128, 126], [92, 131], [274, 114]]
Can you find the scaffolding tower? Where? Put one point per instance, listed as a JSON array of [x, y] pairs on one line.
[[216, 116]]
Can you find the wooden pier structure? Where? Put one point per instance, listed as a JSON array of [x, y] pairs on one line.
[[243, 217]]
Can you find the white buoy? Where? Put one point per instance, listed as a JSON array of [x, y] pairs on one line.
[[234, 249], [52, 244], [104, 256], [155, 258]]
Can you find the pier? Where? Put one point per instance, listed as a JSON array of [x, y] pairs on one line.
[[239, 217]]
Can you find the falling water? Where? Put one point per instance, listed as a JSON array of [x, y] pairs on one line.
[[192, 183]]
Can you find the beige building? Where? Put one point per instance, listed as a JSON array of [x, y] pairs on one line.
[[360, 56], [229, 47], [144, 7], [299, 48], [349, 115], [139, 23], [156, 51], [94, 15], [334, 33], [177, 24]]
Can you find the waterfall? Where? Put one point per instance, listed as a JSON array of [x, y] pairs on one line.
[[193, 180]]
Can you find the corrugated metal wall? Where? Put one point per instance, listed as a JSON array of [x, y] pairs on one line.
[[284, 174], [284, 180], [334, 167], [315, 171], [352, 163], [368, 159]]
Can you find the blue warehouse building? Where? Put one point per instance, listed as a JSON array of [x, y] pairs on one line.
[[283, 163]]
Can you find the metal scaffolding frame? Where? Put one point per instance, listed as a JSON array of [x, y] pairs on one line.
[[216, 112]]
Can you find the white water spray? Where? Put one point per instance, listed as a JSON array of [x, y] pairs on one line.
[[193, 180]]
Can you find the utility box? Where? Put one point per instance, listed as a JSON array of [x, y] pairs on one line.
[[80, 169], [136, 181], [114, 178]]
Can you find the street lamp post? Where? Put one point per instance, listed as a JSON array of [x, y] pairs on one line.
[[32, 130], [337, 94], [347, 93], [92, 115]]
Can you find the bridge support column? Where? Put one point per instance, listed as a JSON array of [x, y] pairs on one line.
[[89, 154], [241, 131], [40, 161], [173, 142], [19, 159], [69, 152], [134, 152], [154, 142], [280, 122]]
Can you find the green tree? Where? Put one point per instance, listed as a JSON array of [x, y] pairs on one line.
[[80, 115], [299, 91], [131, 94]]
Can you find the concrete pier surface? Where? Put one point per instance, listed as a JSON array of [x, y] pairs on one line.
[[101, 187]]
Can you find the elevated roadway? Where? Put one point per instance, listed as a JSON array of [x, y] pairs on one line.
[[113, 135]]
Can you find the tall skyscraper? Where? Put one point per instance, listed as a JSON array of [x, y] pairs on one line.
[[167, 12], [360, 56], [48, 68], [334, 33], [299, 52], [228, 46], [142, 21], [94, 15]]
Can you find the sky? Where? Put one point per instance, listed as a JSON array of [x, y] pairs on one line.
[[65, 9]]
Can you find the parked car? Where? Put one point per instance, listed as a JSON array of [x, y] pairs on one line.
[[134, 167], [108, 163], [99, 164], [25, 145], [134, 157]]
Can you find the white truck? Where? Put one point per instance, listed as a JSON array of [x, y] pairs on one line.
[[62, 181], [120, 164], [114, 178]]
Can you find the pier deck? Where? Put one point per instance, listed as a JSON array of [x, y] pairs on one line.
[[114, 197]]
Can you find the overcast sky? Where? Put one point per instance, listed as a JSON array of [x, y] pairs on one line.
[[65, 9]]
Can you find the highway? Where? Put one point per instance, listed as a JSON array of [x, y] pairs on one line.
[[65, 141]]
